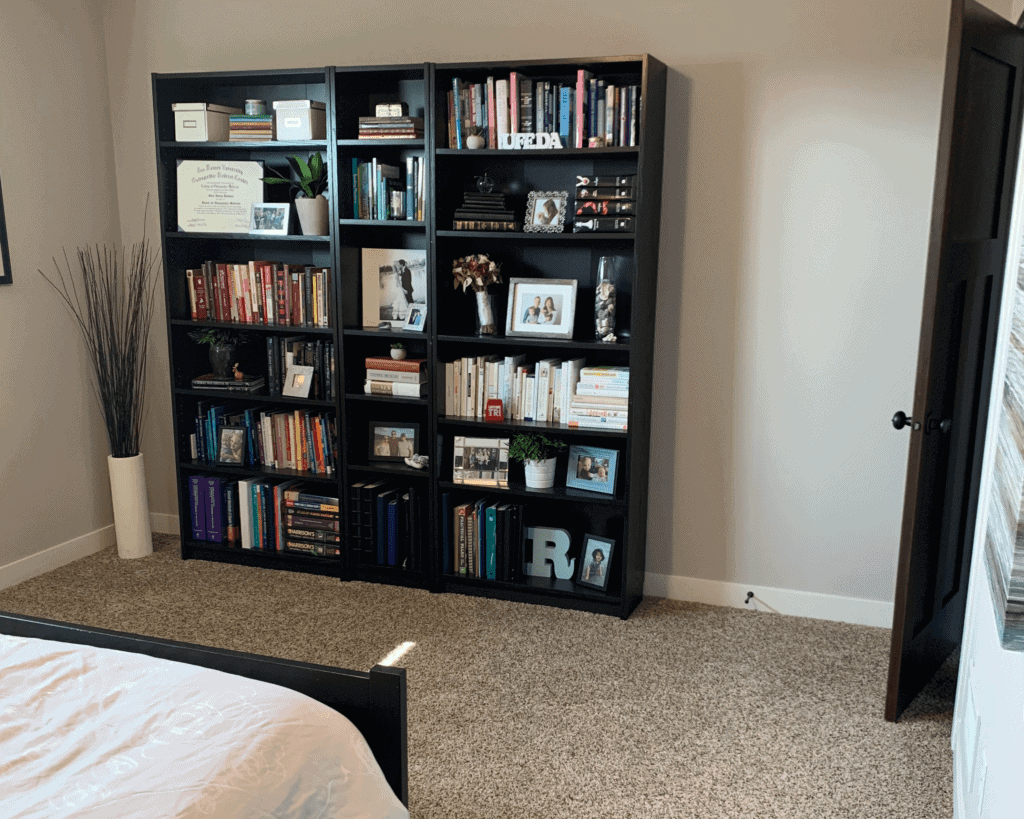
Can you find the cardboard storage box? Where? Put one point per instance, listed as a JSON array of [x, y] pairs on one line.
[[202, 121], [300, 119]]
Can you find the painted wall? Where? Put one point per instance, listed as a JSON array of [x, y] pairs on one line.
[[57, 171], [798, 179]]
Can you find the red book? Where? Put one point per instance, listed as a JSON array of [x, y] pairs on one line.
[[202, 305], [223, 293], [513, 96], [406, 365], [296, 291], [492, 116], [281, 288], [269, 309], [582, 90]]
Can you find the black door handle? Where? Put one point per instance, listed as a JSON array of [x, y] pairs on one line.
[[944, 426], [901, 419]]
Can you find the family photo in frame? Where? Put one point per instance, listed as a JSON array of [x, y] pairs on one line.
[[393, 442], [595, 562], [270, 218], [480, 461], [394, 286], [592, 468], [541, 308], [231, 447]]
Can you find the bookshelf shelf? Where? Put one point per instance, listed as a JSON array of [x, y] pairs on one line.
[[366, 489]]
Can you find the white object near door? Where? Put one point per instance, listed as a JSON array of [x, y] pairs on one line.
[[131, 506]]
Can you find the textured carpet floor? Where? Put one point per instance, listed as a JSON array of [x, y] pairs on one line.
[[684, 710]]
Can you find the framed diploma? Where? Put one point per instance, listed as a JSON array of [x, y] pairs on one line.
[[217, 196]]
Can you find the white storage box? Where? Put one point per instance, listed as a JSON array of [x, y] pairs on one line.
[[300, 119], [202, 121]]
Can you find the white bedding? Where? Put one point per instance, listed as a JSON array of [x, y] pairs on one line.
[[98, 734]]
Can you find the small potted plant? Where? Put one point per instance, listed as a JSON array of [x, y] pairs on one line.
[[475, 138], [539, 455], [223, 345], [307, 191], [398, 351]]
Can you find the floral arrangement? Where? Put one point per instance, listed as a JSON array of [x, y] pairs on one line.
[[476, 272]]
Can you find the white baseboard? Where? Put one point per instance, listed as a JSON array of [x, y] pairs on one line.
[[164, 524], [56, 556], [781, 601]]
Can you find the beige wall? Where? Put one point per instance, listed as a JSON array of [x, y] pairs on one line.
[[798, 175], [56, 164]]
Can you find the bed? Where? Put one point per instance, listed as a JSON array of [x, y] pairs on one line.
[[97, 723]]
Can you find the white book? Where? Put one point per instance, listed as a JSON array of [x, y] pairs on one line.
[[530, 398], [467, 368], [245, 513], [597, 423], [611, 392], [501, 107], [555, 407], [374, 374], [571, 374], [449, 394], [458, 387], [512, 364], [543, 386], [395, 388]]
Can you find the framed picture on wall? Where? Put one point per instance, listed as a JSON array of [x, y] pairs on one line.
[[6, 277]]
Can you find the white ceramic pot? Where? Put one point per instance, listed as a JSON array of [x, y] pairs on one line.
[[312, 215], [475, 141], [398, 355], [540, 474], [131, 506]]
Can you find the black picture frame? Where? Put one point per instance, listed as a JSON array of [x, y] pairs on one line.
[[6, 273], [231, 446], [380, 438], [585, 576]]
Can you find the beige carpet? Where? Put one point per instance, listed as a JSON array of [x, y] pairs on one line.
[[524, 711]]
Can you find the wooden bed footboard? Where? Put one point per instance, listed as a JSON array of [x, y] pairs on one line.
[[374, 701]]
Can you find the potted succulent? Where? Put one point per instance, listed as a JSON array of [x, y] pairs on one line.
[[475, 138], [308, 192], [223, 346], [398, 351], [539, 455]]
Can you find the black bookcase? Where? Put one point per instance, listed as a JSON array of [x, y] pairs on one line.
[[350, 93]]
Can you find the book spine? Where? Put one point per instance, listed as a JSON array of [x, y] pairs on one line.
[[491, 538], [457, 93], [410, 365], [396, 389], [492, 115], [231, 528], [215, 521], [202, 298], [197, 505], [311, 507], [396, 377]]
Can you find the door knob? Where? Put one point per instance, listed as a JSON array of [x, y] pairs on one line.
[[944, 426], [901, 419]]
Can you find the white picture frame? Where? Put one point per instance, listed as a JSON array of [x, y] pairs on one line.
[[394, 282], [480, 461], [416, 319], [541, 308], [298, 378], [217, 196], [269, 218]]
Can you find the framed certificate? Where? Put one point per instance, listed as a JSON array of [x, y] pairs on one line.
[[217, 196]]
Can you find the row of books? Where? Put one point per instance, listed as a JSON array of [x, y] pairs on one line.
[[260, 292], [285, 352], [406, 378], [251, 128], [385, 524], [481, 538], [605, 204], [398, 127], [380, 193], [591, 112], [254, 513], [257, 436], [566, 392]]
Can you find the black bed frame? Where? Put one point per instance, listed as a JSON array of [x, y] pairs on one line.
[[374, 701]]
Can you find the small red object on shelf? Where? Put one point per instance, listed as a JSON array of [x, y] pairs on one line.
[[494, 411]]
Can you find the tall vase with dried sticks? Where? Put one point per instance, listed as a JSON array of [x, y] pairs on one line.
[[110, 293]]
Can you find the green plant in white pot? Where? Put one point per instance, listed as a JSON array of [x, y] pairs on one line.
[[308, 192], [111, 299], [539, 455]]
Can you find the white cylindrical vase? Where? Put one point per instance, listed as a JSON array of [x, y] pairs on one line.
[[313, 217], [131, 506], [540, 474]]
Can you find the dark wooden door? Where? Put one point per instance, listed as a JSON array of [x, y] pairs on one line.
[[979, 140]]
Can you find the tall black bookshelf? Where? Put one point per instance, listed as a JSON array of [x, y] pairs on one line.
[[349, 93]]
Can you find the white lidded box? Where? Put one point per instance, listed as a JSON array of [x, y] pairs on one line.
[[300, 119], [202, 121]]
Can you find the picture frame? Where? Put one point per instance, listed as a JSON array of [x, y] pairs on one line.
[[480, 461], [595, 562], [592, 468], [231, 446], [393, 441], [416, 318], [217, 196], [541, 308], [6, 272], [545, 211], [298, 379], [269, 218], [394, 282]]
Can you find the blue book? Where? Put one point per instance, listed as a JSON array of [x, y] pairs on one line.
[[491, 537], [565, 114], [197, 505], [382, 525], [457, 88], [446, 532], [393, 506], [214, 519], [479, 519]]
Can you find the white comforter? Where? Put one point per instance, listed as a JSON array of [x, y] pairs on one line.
[[97, 734]]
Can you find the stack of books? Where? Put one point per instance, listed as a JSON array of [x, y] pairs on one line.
[[212, 381], [386, 376], [310, 523], [605, 203], [403, 127], [251, 128], [600, 398], [484, 211], [481, 538]]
